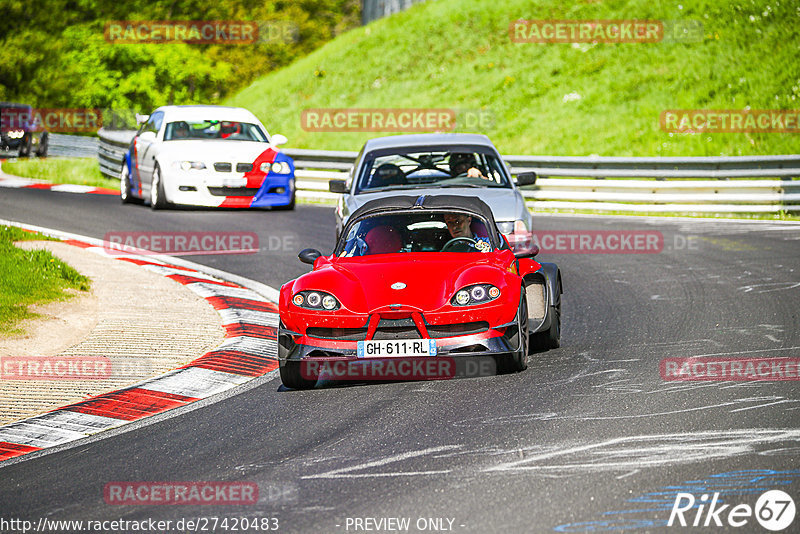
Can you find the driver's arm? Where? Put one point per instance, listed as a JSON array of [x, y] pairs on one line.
[[474, 172]]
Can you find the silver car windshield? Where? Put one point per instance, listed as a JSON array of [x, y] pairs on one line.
[[410, 170], [416, 232], [213, 129]]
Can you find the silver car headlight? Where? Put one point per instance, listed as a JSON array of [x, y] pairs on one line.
[[516, 232], [278, 167]]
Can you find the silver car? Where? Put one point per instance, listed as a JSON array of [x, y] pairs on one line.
[[463, 164]]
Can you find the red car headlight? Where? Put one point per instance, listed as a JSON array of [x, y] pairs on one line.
[[475, 294], [316, 300]]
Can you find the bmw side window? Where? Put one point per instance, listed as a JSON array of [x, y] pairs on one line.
[[153, 124]]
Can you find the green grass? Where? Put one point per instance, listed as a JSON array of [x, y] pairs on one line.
[[31, 277], [456, 54], [82, 171]]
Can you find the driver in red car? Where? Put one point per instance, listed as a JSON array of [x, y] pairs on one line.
[[460, 226]]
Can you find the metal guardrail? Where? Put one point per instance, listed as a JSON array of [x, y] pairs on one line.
[[693, 184], [111, 150], [71, 146]]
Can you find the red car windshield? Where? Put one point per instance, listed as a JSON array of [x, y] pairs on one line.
[[416, 232]]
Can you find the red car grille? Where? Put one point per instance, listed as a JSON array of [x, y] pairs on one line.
[[459, 329], [398, 329], [344, 334]]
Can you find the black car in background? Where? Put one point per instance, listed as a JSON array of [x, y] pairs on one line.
[[20, 132]]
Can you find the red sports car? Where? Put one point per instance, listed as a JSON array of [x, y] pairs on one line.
[[413, 284]]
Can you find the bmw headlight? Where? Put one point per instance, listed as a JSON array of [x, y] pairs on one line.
[[191, 165], [16, 134], [278, 167], [475, 294], [316, 300]]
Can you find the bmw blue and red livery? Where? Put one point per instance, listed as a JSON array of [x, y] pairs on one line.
[[213, 156]]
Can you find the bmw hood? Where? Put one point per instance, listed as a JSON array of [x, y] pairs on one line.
[[211, 151]]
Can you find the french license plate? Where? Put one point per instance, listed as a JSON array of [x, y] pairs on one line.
[[390, 348]]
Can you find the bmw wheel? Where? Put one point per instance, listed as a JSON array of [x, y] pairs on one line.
[[158, 200], [125, 185]]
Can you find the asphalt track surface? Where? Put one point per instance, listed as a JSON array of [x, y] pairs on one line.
[[589, 438]]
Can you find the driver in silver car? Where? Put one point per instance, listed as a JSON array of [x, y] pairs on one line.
[[465, 163]]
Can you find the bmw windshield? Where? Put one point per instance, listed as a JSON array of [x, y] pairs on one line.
[[213, 129], [413, 169]]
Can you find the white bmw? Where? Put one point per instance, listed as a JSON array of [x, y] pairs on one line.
[[207, 156]]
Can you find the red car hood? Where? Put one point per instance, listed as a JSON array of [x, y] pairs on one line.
[[364, 285]]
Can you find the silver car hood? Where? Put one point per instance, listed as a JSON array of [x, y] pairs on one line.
[[506, 204]]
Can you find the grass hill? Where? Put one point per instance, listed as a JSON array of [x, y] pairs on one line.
[[558, 99]]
